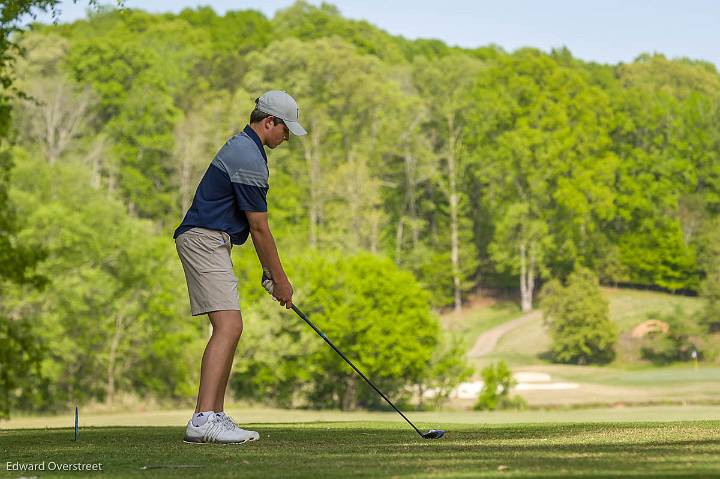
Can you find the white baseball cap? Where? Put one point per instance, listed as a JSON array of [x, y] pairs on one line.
[[281, 105]]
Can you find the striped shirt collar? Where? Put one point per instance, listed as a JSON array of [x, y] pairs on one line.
[[251, 133]]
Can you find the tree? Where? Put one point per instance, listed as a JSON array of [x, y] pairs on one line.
[[541, 158], [520, 244], [495, 394], [666, 134], [375, 313], [198, 135], [346, 116], [109, 319], [10, 14], [232, 38], [59, 109], [710, 291], [677, 344], [709, 262], [576, 315], [446, 84], [460, 165], [142, 68], [21, 351], [408, 172], [307, 22], [447, 370]]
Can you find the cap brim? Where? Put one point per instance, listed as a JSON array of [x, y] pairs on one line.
[[295, 128]]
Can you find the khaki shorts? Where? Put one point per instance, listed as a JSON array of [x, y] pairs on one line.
[[205, 257]]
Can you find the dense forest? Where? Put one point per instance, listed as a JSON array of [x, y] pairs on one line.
[[429, 173]]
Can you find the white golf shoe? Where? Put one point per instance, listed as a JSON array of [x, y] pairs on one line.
[[251, 435], [218, 429]]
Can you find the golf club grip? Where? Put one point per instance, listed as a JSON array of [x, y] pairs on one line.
[[327, 340]]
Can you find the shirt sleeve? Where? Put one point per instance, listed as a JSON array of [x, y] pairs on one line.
[[250, 198]]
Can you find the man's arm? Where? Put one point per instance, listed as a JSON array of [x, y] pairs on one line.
[[268, 255]]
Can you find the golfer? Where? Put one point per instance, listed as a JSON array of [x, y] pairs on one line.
[[230, 205]]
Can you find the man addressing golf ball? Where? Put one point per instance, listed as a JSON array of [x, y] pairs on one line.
[[229, 205]]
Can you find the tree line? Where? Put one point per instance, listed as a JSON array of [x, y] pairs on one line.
[[469, 168], [465, 166]]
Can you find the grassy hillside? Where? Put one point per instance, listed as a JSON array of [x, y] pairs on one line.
[[526, 344], [628, 380], [629, 307], [480, 317]]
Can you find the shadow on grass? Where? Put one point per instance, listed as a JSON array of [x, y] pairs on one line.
[[547, 356]]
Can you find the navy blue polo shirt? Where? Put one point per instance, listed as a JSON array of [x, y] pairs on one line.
[[235, 182]]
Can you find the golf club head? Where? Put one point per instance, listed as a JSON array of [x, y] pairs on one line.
[[434, 434]]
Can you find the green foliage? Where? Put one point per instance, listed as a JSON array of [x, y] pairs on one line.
[[10, 14], [374, 312], [558, 162], [308, 22], [542, 164], [678, 344], [711, 293], [109, 319], [448, 368], [710, 286], [466, 167], [495, 394], [21, 352], [432, 270], [21, 382], [446, 84], [342, 151], [110, 67], [142, 91], [230, 38], [576, 315], [670, 181], [657, 254], [16, 259]]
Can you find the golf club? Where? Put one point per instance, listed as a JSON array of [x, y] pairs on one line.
[[431, 434]]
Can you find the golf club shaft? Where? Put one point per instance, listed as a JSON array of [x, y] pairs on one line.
[[322, 335]]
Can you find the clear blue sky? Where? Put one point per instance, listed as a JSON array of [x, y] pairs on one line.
[[608, 31]]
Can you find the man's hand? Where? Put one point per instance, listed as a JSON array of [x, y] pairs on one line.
[[267, 281], [281, 290]]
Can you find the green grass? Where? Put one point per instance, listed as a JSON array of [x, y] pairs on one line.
[[648, 376], [629, 307], [381, 449], [628, 380], [471, 323], [263, 415], [525, 345]]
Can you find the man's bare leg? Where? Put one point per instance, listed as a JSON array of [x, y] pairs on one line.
[[218, 358], [222, 390]]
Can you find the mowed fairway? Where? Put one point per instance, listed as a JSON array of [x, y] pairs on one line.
[[382, 449]]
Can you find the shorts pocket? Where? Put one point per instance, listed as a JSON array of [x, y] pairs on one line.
[[199, 243], [206, 256]]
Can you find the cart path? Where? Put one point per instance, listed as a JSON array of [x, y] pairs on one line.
[[486, 342]]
